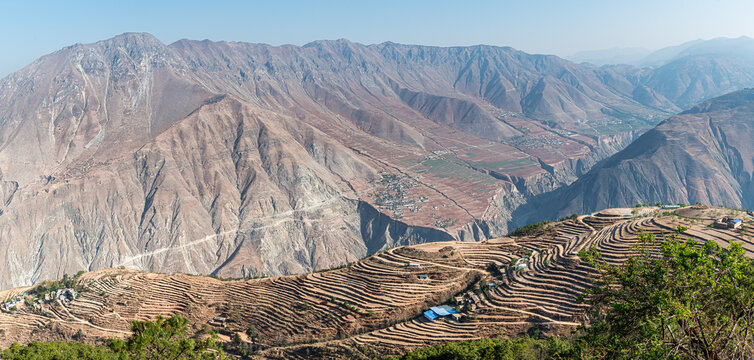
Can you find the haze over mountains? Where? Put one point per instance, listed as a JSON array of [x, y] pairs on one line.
[[612, 56], [247, 159], [688, 73], [742, 47]]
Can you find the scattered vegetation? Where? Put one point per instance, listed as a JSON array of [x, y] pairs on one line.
[[159, 339], [336, 267], [351, 307], [569, 217], [493, 269], [523, 348], [662, 204], [532, 229], [64, 283]]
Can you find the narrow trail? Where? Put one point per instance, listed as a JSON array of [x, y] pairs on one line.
[[277, 219]]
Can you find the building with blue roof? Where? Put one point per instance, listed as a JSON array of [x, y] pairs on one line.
[[430, 315], [728, 223], [439, 311]]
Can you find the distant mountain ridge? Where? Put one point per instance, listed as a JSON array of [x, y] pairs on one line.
[[704, 154], [613, 56], [688, 73], [742, 46], [238, 158]]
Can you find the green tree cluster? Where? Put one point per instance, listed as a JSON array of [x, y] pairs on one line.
[[532, 229], [58, 350], [522, 348], [676, 299], [151, 340]]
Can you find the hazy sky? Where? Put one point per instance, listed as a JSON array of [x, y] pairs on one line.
[[30, 29]]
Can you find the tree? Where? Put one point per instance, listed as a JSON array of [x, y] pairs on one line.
[[58, 351], [153, 340], [675, 299], [253, 334], [522, 348], [166, 339]]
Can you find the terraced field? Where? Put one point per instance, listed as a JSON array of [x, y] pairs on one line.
[[373, 307]]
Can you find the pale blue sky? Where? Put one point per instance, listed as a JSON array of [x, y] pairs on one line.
[[30, 29]]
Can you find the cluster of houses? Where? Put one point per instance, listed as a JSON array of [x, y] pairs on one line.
[[64, 295], [13, 302], [728, 223], [469, 299]]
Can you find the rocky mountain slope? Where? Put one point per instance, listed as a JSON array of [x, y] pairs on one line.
[[704, 154], [237, 158]]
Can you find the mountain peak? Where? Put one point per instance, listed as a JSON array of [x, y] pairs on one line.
[[340, 42], [132, 40]]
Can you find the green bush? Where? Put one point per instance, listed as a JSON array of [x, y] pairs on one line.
[[531, 229], [58, 351], [151, 340], [523, 348], [676, 299]]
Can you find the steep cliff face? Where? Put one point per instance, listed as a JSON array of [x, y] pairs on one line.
[[703, 155], [210, 157]]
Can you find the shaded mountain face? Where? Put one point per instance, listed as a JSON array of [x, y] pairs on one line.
[[705, 154], [245, 159]]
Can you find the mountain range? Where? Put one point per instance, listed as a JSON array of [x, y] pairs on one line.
[[702, 155], [247, 159]]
